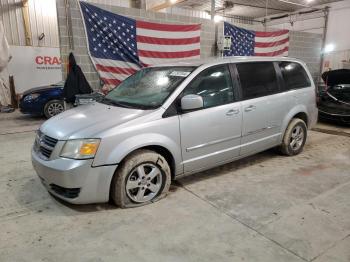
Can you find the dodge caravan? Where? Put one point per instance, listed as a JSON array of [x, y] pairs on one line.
[[172, 120]]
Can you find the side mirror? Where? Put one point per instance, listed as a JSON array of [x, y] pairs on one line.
[[191, 102]]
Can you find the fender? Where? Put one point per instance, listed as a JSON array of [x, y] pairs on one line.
[[133, 143], [300, 108]]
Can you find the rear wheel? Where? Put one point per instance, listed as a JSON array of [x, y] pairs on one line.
[[294, 138], [53, 107], [142, 178]]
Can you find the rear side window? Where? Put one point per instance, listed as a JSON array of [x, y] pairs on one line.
[[257, 79], [294, 75]]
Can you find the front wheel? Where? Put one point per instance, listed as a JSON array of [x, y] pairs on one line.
[[53, 107], [142, 178], [294, 138]]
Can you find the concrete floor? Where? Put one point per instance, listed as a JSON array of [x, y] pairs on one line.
[[263, 208]]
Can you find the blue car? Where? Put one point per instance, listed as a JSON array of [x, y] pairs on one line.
[[47, 100]]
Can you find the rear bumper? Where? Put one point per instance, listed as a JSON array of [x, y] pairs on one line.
[[314, 118], [75, 181]]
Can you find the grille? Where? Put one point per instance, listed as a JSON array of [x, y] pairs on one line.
[[45, 144]]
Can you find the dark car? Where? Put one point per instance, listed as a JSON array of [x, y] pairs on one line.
[[47, 100], [334, 99]]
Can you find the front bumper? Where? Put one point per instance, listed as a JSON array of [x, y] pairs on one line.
[[30, 107], [74, 181], [343, 118]]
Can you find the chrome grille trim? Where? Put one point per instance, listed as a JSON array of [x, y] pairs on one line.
[[44, 145]]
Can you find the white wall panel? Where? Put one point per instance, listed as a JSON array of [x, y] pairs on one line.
[[338, 26], [204, 15]]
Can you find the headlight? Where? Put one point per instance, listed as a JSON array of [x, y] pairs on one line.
[[31, 97], [80, 148]]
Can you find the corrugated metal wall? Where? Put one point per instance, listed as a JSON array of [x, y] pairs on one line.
[[11, 16], [42, 19]]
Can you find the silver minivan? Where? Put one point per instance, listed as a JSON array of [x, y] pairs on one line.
[[172, 120]]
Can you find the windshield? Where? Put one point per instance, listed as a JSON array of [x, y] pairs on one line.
[[148, 88]]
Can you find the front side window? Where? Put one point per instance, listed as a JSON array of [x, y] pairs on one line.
[[257, 79], [148, 88], [294, 75], [214, 85]]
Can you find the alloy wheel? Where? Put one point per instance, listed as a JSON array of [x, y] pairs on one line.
[[297, 138], [55, 108], [144, 183]]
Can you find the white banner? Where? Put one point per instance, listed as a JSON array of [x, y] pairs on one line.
[[4, 48], [34, 66]]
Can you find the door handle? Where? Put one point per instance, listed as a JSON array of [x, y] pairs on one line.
[[232, 112], [250, 108]]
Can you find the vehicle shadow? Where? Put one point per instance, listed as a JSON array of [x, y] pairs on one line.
[[33, 196], [257, 159], [333, 123]]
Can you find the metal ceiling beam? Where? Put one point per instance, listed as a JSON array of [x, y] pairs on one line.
[[169, 3], [261, 7], [293, 3]]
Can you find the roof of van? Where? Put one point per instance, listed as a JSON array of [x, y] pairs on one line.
[[232, 59]]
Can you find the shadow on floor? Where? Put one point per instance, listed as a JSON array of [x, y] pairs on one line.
[[257, 159]]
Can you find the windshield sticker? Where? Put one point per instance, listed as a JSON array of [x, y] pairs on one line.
[[180, 73]]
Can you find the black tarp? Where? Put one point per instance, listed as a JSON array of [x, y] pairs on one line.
[[76, 82]]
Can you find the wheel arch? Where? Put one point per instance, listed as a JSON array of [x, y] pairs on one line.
[[163, 151], [303, 116], [165, 146], [299, 111]]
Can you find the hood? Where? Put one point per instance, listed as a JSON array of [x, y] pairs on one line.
[[42, 89], [87, 121], [336, 77]]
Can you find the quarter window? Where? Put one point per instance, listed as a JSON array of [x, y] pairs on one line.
[[294, 75], [257, 79], [214, 85]]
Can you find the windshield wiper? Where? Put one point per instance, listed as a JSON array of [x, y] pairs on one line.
[[109, 101]]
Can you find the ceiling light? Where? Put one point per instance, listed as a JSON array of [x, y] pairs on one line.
[[329, 48], [218, 18]]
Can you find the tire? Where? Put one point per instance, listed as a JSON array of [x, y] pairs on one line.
[[294, 138], [53, 107], [142, 178]]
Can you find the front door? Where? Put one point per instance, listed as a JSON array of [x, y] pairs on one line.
[[211, 135]]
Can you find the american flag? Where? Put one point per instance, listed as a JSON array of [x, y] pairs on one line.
[[119, 46], [254, 43]]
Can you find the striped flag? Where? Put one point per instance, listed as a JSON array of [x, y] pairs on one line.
[[254, 43], [119, 46]]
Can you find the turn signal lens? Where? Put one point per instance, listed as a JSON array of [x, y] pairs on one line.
[[89, 149]]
